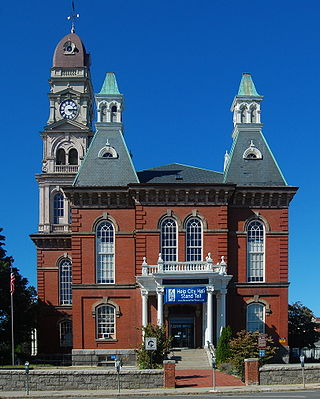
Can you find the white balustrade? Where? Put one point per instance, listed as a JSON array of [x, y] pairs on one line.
[[184, 267]]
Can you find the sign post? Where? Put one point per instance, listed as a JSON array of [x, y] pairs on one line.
[[150, 344]]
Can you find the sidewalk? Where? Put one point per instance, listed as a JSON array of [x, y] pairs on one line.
[[162, 391]]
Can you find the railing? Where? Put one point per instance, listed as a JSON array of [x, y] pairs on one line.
[[60, 228], [184, 267], [68, 72], [66, 168]]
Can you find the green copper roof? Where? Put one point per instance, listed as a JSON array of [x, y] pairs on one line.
[[247, 87], [110, 85]]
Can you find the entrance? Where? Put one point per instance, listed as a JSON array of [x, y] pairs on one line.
[[182, 332]]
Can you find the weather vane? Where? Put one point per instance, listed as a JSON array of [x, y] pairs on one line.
[[73, 17]]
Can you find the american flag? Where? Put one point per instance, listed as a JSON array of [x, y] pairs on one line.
[[12, 281]]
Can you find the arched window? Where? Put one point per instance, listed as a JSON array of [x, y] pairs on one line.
[[255, 251], [194, 240], [168, 240], [65, 332], [105, 253], [253, 114], [105, 322], [255, 317], [73, 157], [114, 113], [107, 155], [243, 111], [60, 157], [103, 113], [58, 208], [65, 281]]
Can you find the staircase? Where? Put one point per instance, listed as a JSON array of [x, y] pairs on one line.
[[190, 359]]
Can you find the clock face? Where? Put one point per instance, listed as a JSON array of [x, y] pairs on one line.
[[68, 109]]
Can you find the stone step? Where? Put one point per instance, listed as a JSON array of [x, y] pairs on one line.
[[190, 359]]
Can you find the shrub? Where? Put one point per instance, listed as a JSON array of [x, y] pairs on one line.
[[245, 346], [223, 348], [148, 359]]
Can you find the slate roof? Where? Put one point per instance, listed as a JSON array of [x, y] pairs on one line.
[[98, 171], [178, 173], [252, 172]]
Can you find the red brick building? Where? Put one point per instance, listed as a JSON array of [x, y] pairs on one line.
[[192, 249]]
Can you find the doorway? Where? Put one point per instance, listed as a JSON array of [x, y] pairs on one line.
[[182, 332]]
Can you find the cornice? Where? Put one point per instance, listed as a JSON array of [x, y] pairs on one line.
[[279, 284], [51, 241], [164, 194], [263, 196], [103, 286]]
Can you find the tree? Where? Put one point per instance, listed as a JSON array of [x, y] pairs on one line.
[[23, 299], [301, 326], [148, 359], [245, 346], [223, 347]]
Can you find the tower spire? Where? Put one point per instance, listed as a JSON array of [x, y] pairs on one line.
[[72, 18]]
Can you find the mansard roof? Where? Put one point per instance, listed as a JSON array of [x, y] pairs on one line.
[[178, 173], [107, 162], [258, 170]]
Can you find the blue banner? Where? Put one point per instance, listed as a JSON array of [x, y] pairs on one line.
[[185, 294]]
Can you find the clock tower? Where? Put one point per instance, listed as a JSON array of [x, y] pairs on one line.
[[67, 133], [66, 137]]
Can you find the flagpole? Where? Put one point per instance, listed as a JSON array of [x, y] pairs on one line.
[[12, 330]]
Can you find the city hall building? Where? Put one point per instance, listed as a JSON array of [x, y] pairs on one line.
[[178, 246]]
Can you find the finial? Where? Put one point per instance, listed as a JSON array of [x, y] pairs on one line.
[[73, 17], [251, 144]]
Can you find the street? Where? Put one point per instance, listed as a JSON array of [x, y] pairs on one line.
[[262, 395]]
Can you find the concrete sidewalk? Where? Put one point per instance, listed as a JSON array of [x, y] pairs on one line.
[[163, 391]]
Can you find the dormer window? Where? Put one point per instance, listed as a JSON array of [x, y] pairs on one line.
[[108, 152], [252, 152]]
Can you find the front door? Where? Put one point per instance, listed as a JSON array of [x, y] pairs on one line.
[[182, 333]]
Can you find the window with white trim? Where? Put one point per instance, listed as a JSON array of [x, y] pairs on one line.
[[105, 322], [193, 240], [168, 240], [65, 281], [58, 208], [255, 317], [65, 333], [255, 251], [105, 253]]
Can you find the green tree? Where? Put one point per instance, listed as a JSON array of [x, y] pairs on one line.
[[245, 346], [223, 347], [301, 326], [148, 359], [23, 299]]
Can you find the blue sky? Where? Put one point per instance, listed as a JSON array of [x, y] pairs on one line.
[[179, 64]]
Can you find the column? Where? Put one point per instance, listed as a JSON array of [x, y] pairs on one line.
[[223, 309], [144, 296], [218, 323], [210, 290], [160, 291]]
